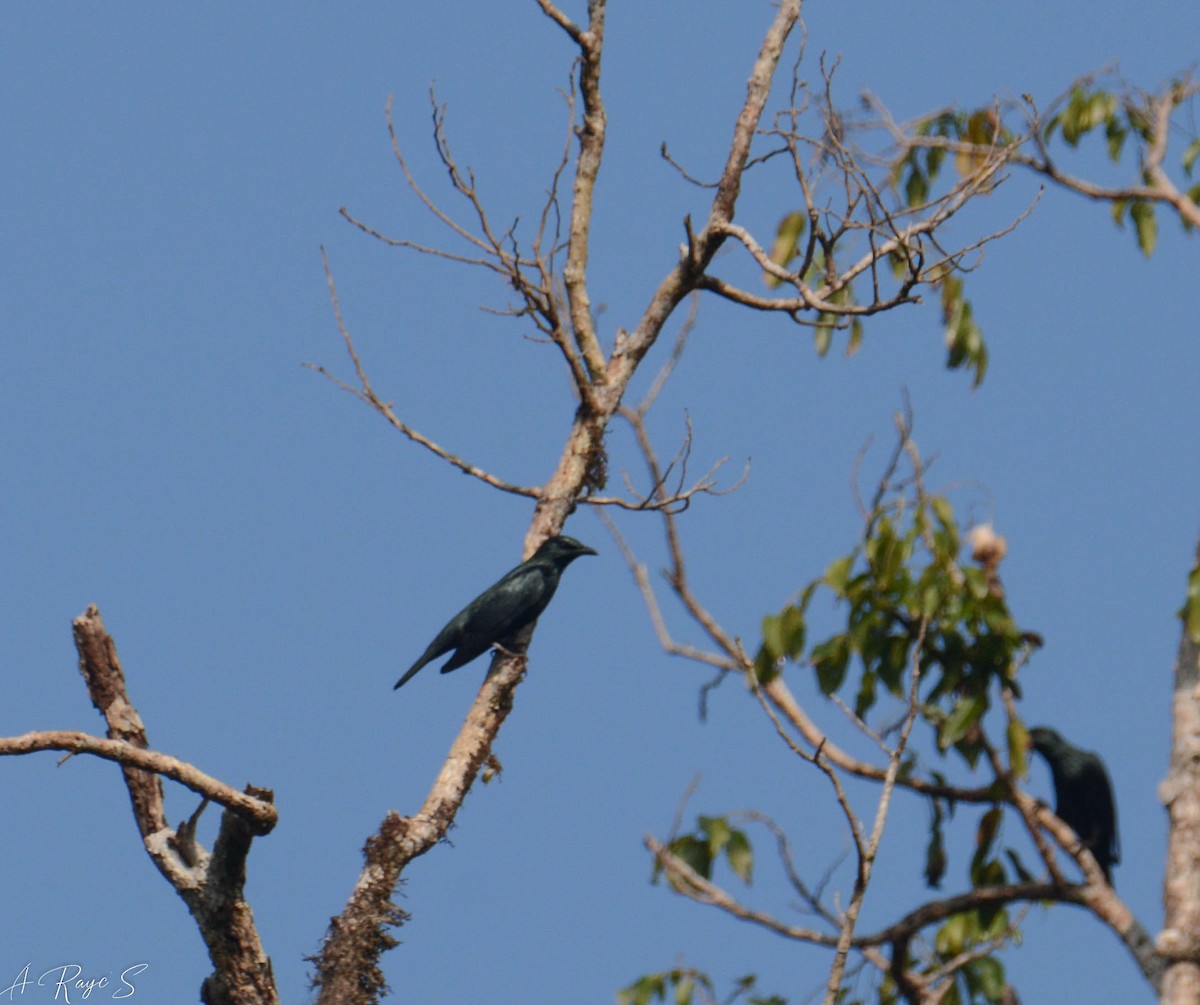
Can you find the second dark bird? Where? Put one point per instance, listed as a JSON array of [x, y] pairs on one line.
[[504, 608], [1084, 795]]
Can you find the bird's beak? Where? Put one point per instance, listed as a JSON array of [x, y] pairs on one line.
[[585, 550]]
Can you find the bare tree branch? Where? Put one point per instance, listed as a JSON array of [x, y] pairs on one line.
[[591, 134], [868, 854], [347, 967], [357, 938], [366, 393], [212, 885], [694, 886], [260, 816]]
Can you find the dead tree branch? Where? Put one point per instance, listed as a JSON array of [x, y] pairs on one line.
[[211, 884], [347, 965], [260, 816]]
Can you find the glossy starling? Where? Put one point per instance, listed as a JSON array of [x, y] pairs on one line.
[[1084, 795], [504, 608]]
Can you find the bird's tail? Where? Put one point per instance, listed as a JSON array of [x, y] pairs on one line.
[[411, 670]]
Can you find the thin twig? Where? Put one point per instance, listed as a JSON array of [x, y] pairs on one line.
[[366, 393]]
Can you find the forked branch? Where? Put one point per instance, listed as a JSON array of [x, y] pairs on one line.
[[210, 883]]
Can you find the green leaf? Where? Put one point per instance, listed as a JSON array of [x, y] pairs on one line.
[[964, 341], [792, 631], [1071, 118], [772, 633], [987, 873], [717, 829], [989, 974], [894, 659], [644, 990], [1190, 612], [1114, 134], [786, 245], [931, 599], [1190, 154], [766, 665], [713, 837], [996, 924], [976, 582], [943, 511], [866, 694], [916, 188], [1147, 226], [935, 855], [1084, 112], [963, 716], [855, 341], [951, 938], [1018, 748], [1102, 106], [823, 333], [884, 551], [693, 852], [982, 131], [933, 161], [1119, 208], [683, 991], [1139, 123], [740, 855], [838, 574], [830, 659], [985, 833]]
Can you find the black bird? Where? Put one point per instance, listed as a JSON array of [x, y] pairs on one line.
[[1084, 795], [505, 607]]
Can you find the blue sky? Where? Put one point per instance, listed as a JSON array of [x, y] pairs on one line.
[[269, 555]]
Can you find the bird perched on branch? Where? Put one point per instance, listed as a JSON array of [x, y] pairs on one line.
[[1084, 795], [504, 608]]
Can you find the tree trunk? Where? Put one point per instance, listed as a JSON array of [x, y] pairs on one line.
[[1179, 940]]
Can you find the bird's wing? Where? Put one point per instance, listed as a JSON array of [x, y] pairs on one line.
[[1104, 807], [504, 608], [507, 606]]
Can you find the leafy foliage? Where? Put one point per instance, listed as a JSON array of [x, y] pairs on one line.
[[905, 575], [654, 987], [911, 599], [979, 981], [1090, 108], [936, 858], [685, 984], [912, 606], [915, 172], [700, 850], [1087, 109], [787, 244], [964, 341], [1190, 612]]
